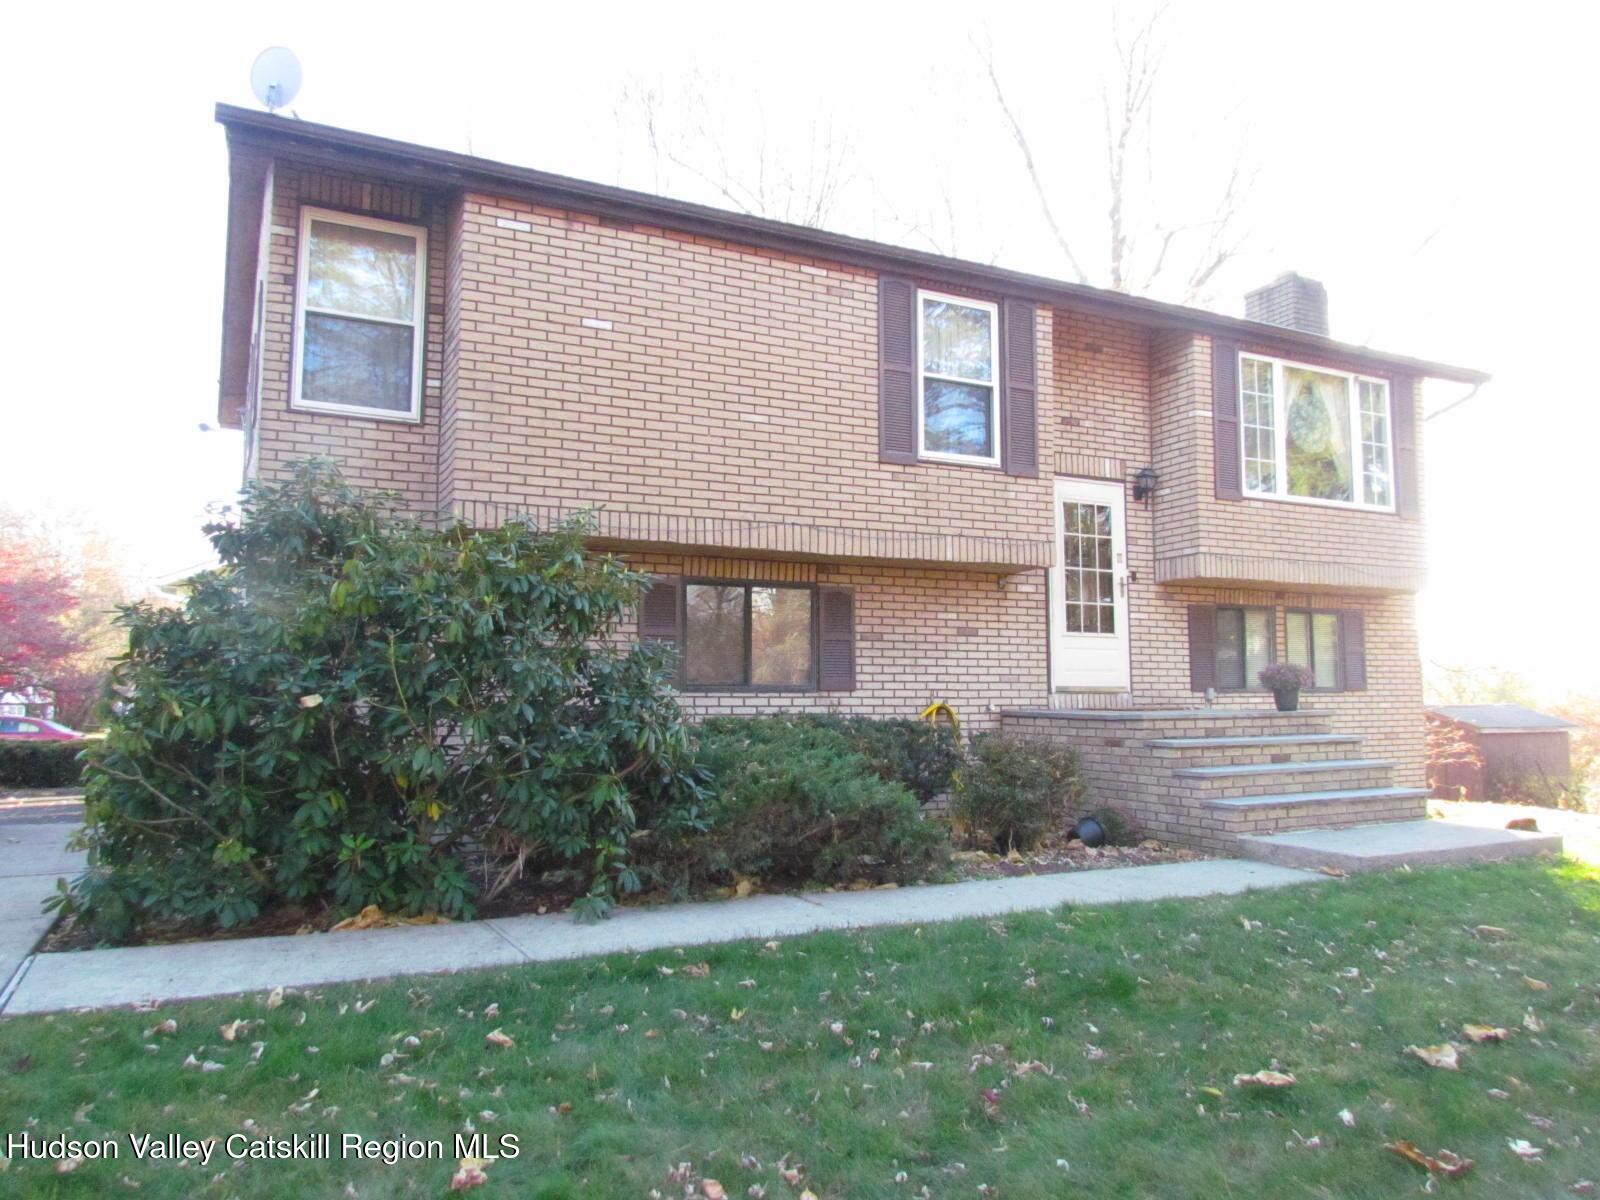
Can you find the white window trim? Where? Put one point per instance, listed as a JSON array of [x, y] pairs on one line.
[[993, 384], [418, 322], [1280, 434]]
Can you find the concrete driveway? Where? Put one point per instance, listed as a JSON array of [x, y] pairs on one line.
[[1580, 832], [32, 857]]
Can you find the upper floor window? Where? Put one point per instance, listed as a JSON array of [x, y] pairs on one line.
[[1314, 434], [958, 407], [359, 316]]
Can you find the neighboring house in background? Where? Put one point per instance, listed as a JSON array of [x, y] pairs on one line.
[[28, 702], [1521, 753], [866, 477]]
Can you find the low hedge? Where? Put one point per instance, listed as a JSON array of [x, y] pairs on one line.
[[921, 755], [1016, 790], [40, 764], [792, 801]]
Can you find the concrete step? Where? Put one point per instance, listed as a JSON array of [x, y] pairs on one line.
[[1256, 770], [1378, 795], [1398, 843], [1269, 740]]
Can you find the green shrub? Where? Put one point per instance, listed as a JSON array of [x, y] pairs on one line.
[[40, 764], [919, 754], [792, 801], [356, 709], [1016, 790]]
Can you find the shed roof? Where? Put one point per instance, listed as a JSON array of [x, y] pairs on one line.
[[1501, 718]]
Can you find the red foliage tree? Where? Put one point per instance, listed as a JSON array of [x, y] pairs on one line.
[[37, 596]]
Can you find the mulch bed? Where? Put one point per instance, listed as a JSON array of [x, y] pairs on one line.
[[1055, 858]]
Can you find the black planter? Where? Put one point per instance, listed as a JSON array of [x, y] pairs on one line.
[[1288, 699]]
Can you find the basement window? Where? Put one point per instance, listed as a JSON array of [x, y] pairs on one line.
[[1312, 640], [359, 316], [1243, 646], [749, 635]]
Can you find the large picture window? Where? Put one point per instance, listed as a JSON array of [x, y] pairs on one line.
[[359, 316], [1314, 434], [958, 412], [749, 635]]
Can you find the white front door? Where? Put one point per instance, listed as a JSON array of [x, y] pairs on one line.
[[1089, 589]]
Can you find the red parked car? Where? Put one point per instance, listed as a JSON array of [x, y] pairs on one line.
[[35, 729]]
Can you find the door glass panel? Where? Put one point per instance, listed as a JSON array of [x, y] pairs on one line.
[[1087, 564]]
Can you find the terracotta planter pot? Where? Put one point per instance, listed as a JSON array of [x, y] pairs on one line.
[[1288, 699]]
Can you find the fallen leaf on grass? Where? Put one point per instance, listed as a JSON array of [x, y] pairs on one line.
[[1348, 1118], [1273, 1079], [66, 1166], [1335, 872], [1493, 932], [496, 1038], [275, 998], [468, 1177], [696, 970], [1443, 1056], [1445, 1163], [231, 1031], [1532, 1023], [1535, 985], [713, 1190], [1485, 1033], [167, 1026], [1525, 1150]]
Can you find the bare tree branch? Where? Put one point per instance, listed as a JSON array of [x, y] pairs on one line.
[[1033, 171]]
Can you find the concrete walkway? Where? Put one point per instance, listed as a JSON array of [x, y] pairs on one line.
[[32, 858], [142, 974]]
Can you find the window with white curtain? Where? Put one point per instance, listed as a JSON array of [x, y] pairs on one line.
[[1313, 434], [958, 417]]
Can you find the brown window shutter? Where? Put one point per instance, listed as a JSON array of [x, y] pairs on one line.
[[1225, 418], [1202, 646], [1353, 650], [1019, 405], [838, 640], [1402, 398], [658, 610], [897, 370]]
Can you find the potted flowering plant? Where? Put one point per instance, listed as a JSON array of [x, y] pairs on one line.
[[1285, 681]]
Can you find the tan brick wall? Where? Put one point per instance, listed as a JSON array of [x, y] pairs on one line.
[[581, 362], [727, 382], [972, 639], [374, 453]]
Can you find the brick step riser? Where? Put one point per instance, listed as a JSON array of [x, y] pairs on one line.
[[1280, 785], [1321, 816], [1241, 756]]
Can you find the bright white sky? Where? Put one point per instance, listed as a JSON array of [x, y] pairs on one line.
[[1433, 164]]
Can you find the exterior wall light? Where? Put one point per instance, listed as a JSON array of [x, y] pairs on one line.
[[1144, 483]]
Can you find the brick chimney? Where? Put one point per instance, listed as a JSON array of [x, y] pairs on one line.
[[1292, 301]]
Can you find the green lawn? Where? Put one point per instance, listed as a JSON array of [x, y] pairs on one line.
[[1088, 1053]]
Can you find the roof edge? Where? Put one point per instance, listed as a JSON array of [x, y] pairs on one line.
[[448, 169]]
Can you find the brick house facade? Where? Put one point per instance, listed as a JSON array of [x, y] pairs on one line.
[[722, 393]]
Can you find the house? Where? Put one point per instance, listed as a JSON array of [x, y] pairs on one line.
[[1518, 750], [865, 477]]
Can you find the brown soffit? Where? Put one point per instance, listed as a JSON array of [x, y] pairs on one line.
[[248, 175], [423, 166]]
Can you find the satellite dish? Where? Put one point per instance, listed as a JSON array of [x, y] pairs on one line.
[[275, 77]]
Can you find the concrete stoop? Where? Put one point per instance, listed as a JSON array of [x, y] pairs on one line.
[[1394, 844]]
